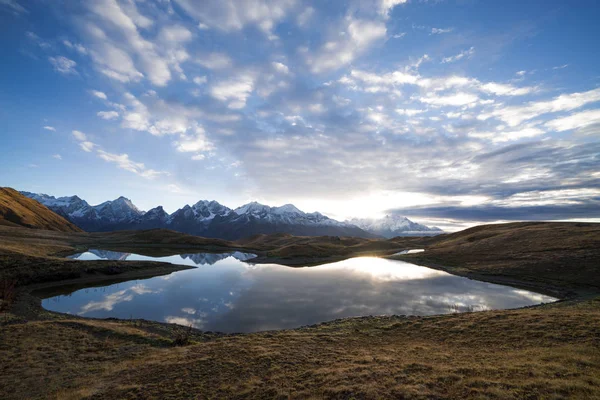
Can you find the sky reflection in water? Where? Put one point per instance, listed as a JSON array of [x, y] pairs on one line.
[[228, 295]]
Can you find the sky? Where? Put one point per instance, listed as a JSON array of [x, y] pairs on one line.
[[450, 112]]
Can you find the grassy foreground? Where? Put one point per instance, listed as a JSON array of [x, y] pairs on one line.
[[550, 351]]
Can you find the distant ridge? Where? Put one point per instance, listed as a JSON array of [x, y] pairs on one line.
[[204, 218], [393, 225], [19, 210]]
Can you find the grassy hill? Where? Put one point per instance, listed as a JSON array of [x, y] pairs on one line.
[[18, 210], [550, 351], [537, 254]]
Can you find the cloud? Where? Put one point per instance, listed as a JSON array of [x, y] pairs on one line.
[[358, 36], [457, 99], [108, 114], [57, 156], [87, 146], [84, 143], [50, 128], [124, 162], [231, 15], [99, 94], [385, 6], [440, 31], [215, 61], [14, 6], [280, 67], [305, 16], [79, 135], [463, 54], [200, 80], [234, 91], [194, 142], [575, 121], [76, 46], [63, 65], [121, 25], [515, 115]]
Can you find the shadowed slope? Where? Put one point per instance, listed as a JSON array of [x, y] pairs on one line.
[[565, 254], [18, 210]]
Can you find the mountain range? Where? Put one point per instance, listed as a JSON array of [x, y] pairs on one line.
[[211, 219]]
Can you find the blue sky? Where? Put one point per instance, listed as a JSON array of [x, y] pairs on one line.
[[449, 112]]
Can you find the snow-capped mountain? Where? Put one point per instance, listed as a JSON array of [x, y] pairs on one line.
[[394, 225], [205, 218]]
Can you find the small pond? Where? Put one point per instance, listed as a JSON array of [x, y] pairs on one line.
[[227, 293]]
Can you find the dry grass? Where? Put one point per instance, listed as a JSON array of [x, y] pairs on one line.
[[547, 352], [18, 210]]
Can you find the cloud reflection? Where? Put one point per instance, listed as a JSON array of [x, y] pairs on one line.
[[236, 297]]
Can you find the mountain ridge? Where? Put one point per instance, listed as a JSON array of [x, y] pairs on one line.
[[392, 225], [206, 218]]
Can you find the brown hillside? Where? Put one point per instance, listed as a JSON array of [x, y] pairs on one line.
[[18, 210]]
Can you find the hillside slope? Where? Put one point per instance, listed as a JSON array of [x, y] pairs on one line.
[[18, 210], [565, 254]]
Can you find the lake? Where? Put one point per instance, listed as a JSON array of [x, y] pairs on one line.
[[227, 293]]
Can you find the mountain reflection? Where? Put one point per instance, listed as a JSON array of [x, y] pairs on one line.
[[196, 258], [238, 297]]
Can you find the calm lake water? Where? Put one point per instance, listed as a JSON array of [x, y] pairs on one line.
[[226, 294]]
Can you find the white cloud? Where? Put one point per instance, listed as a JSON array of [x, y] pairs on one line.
[[235, 91], [515, 115], [63, 65], [84, 143], [124, 162], [14, 6], [50, 128], [465, 53], [75, 46], [215, 61], [108, 114], [399, 35], [305, 16], [506, 90], [457, 99], [57, 156], [232, 15], [409, 112], [280, 67], [440, 31], [99, 94], [200, 80], [358, 36], [194, 142], [198, 157], [87, 146], [125, 32], [575, 121], [79, 135], [385, 6], [507, 136]]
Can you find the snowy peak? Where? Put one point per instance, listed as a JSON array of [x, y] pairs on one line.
[[394, 225], [156, 214], [118, 210], [252, 208], [206, 210], [287, 209]]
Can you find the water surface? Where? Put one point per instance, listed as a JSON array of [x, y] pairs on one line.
[[227, 294]]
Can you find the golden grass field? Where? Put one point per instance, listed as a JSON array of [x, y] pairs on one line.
[[544, 352]]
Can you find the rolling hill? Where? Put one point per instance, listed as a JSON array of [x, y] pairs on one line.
[[18, 210]]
